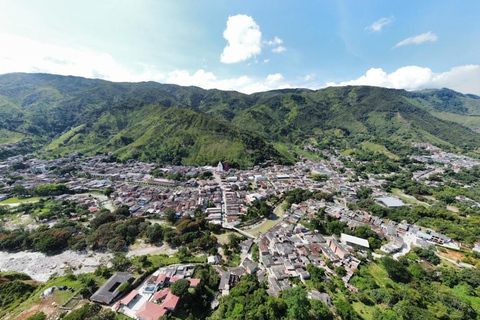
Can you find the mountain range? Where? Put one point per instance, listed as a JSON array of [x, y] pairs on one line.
[[149, 121]]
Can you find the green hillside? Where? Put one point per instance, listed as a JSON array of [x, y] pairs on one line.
[[189, 125], [449, 105]]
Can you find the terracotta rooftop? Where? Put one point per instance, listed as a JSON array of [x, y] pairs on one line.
[[150, 311]]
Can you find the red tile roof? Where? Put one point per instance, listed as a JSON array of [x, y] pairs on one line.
[[170, 302], [150, 311], [161, 277], [194, 282], [129, 298], [169, 299], [161, 294]]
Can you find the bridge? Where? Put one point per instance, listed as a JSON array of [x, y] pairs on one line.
[[242, 232]]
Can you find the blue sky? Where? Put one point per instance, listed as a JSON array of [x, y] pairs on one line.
[[248, 45]]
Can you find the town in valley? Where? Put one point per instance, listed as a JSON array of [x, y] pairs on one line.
[[277, 222]]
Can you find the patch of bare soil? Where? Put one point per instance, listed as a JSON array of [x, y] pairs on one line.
[[47, 306], [452, 254]]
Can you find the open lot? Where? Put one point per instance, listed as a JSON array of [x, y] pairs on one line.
[[274, 219], [17, 201]]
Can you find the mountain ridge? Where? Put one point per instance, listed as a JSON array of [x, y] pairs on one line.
[[149, 120]]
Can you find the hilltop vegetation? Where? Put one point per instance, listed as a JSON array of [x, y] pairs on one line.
[[188, 125]]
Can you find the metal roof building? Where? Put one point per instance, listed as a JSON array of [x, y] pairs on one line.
[[354, 241], [390, 202], [109, 290]]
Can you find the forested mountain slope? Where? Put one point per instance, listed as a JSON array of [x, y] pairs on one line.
[[189, 125]]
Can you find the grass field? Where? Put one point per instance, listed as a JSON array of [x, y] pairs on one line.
[[472, 122], [348, 152], [58, 297], [17, 200], [285, 150], [378, 148], [408, 199], [64, 138], [7, 137], [365, 311], [277, 217], [223, 238], [379, 274], [161, 260]]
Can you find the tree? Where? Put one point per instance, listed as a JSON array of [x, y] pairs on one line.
[[319, 177], [234, 242], [317, 276], [341, 271], [255, 253], [90, 311], [396, 270], [120, 261], [345, 310], [51, 240], [4, 210], [183, 253], [427, 254], [108, 191], [38, 316], [20, 191], [321, 310], [180, 287], [385, 315], [155, 233], [297, 303], [51, 189], [364, 193], [117, 244], [123, 287], [205, 175], [446, 196], [170, 215]]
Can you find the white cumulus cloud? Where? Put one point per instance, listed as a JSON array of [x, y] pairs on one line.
[[244, 39], [21, 54], [276, 43], [421, 38], [208, 80], [378, 25], [309, 77], [279, 49], [464, 79]]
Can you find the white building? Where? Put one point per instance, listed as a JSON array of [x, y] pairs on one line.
[[390, 202], [354, 241]]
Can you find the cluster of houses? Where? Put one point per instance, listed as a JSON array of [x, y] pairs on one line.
[[401, 235], [449, 160], [153, 200], [34, 172], [152, 299], [287, 249]]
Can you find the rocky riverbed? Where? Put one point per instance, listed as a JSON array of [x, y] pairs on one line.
[[40, 266]]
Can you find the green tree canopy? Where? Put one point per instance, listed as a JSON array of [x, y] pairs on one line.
[[180, 287]]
